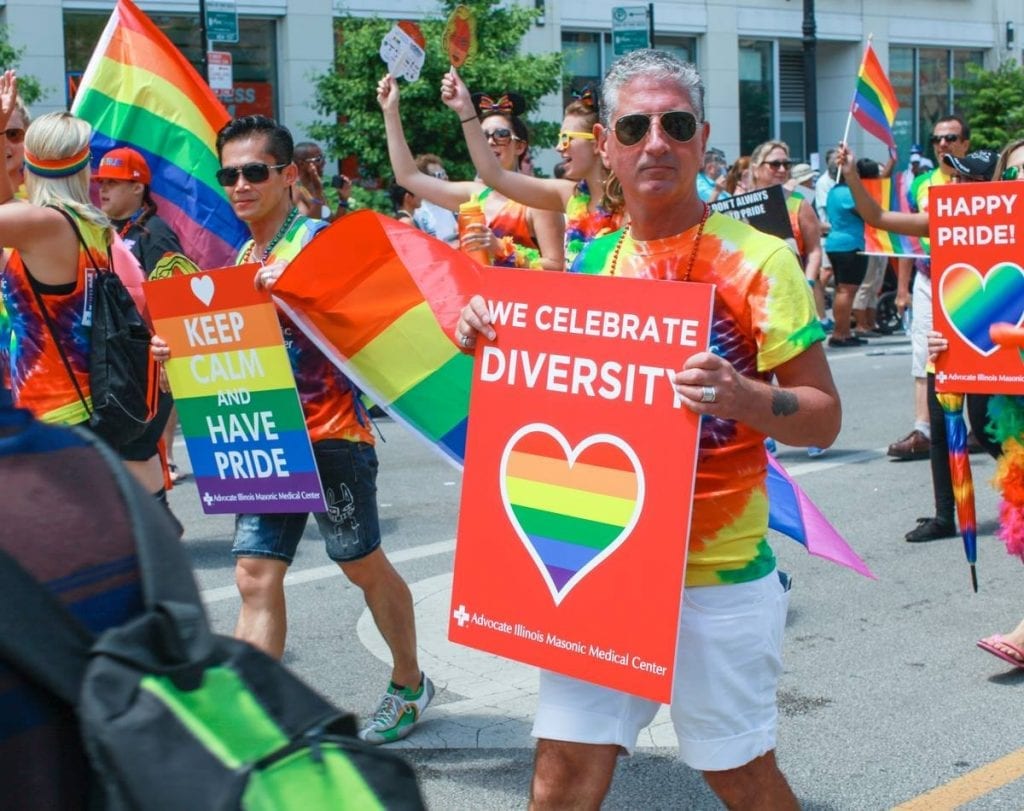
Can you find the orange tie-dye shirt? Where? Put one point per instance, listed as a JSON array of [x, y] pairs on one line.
[[763, 316]]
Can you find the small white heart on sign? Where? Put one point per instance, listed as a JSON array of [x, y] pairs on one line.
[[202, 289]]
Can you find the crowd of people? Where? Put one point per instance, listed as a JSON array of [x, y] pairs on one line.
[[637, 176]]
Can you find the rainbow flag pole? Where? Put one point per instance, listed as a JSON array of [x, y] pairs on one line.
[[139, 91]]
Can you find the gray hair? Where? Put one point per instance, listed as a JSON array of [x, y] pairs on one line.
[[648, 63]]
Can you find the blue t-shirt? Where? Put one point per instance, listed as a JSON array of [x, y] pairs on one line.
[[847, 232]]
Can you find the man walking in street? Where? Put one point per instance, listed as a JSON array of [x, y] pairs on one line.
[[258, 173], [653, 137]]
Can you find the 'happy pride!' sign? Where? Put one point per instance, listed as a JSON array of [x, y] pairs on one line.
[[977, 230], [235, 392], [580, 465]]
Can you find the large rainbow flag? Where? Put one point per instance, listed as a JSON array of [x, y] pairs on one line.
[[874, 101], [139, 91], [382, 299], [891, 196]]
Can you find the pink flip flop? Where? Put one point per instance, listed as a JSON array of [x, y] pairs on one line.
[[989, 644]]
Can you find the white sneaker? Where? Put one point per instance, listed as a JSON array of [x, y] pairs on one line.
[[398, 712]]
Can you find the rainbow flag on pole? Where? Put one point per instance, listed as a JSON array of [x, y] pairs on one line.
[[382, 299], [890, 195], [139, 91], [874, 101]]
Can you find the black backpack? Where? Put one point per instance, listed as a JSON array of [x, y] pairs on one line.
[[122, 378], [175, 717]]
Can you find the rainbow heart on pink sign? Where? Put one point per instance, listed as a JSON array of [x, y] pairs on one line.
[[972, 303], [571, 507]]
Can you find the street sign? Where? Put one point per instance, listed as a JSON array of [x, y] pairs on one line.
[[221, 21], [219, 72], [631, 29]]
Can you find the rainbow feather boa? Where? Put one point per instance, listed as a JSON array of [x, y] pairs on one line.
[[1006, 425]]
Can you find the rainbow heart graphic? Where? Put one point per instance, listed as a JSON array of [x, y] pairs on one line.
[[973, 303], [571, 507]]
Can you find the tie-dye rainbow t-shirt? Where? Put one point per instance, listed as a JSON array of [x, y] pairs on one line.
[[763, 316], [39, 379], [583, 225], [328, 398], [509, 224]]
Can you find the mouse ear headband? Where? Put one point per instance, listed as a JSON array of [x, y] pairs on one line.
[[506, 104]]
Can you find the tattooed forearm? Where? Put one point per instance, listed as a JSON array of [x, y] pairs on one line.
[[784, 403]]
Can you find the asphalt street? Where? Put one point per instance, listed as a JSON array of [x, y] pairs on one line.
[[884, 697]]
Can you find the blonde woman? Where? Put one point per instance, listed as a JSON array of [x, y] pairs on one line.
[[770, 165], [44, 281]]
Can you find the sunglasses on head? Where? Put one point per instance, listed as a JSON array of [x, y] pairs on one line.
[[252, 172], [318, 161], [15, 135], [500, 136], [679, 125], [1012, 173], [566, 136], [949, 138], [777, 165]]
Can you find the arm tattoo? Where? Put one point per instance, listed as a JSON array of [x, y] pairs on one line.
[[784, 403]]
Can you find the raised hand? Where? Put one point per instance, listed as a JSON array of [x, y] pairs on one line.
[[455, 94], [387, 93]]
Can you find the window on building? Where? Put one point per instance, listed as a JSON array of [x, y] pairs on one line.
[[588, 55], [253, 56], [792, 113], [757, 91], [921, 78]]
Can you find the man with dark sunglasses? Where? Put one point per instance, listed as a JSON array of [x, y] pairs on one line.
[[258, 171], [310, 198], [653, 136]]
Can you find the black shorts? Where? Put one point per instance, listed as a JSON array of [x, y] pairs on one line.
[[849, 267]]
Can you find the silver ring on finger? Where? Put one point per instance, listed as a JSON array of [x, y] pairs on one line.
[[708, 394], [465, 341]]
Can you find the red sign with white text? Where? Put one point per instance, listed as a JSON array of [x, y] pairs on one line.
[[580, 464], [977, 232]]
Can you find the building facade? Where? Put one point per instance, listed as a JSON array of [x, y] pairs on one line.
[[751, 54]]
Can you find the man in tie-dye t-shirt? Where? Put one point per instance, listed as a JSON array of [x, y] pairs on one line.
[[257, 173], [765, 375]]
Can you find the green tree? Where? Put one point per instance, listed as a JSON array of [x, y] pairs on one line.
[[28, 86], [349, 93], [992, 102]]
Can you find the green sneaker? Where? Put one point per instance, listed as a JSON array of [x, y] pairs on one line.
[[400, 709]]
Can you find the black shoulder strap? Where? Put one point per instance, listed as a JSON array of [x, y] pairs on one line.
[[40, 638], [78, 233]]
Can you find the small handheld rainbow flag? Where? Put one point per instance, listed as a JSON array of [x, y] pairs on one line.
[[874, 101], [889, 194], [139, 91]]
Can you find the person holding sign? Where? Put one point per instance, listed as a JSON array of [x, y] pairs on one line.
[[258, 173], [587, 215], [514, 235], [770, 165], [653, 136]]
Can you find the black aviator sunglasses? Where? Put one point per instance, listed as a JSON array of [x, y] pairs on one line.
[[252, 172], [679, 125]]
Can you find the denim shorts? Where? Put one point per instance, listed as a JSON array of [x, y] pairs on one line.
[[350, 528]]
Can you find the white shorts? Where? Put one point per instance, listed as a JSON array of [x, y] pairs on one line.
[[728, 663], [921, 325]]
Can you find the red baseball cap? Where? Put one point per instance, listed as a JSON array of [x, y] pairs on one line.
[[123, 163]]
